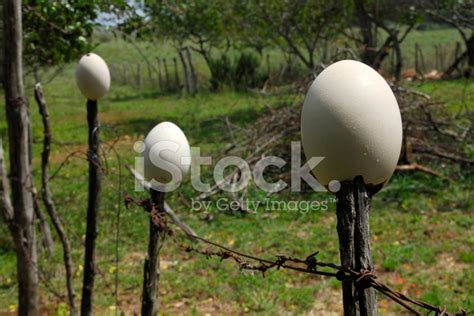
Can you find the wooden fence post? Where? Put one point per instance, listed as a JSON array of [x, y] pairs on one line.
[[193, 78], [353, 206], [417, 65], [160, 76], [125, 74], [151, 270], [150, 75], [138, 76], [176, 74], [92, 208], [185, 70], [167, 74]]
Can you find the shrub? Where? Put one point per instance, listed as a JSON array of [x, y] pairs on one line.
[[240, 73]]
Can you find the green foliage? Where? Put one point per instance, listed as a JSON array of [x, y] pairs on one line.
[[296, 27], [58, 32], [221, 70], [201, 23], [240, 73]]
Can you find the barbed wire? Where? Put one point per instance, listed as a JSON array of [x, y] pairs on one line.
[[310, 265]]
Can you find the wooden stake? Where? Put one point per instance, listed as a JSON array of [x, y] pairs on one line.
[[185, 70], [353, 206], [176, 74], [151, 271], [167, 75], [193, 78], [345, 213], [160, 76], [92, 208]]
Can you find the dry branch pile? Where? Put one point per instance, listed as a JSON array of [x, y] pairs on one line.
[[433, 137]]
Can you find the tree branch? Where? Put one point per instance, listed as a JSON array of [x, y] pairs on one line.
[[48, 200]]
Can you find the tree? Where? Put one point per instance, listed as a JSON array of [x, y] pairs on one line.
[[390, 20], [199, 24], [458, 14], [298, 27], [19, 215], [58, 32]]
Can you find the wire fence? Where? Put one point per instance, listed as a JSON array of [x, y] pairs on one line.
[[310, 265]]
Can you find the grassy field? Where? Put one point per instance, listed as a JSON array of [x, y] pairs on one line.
[[422, 227]]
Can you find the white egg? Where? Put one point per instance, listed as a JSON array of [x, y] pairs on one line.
[[166, 150], [92, 76], [351, 117]]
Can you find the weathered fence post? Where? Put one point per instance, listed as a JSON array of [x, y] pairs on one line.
[[185, 70], [160, 76], [150, 74], [417, 65], [167, 75], [139, 76], [352, 211], [176, 74], [151, 271], [345, 212], [363, 257], [92, 207], [93, 79], [193, 78]]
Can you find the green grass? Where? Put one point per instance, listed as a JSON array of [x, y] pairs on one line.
[[422, 227]]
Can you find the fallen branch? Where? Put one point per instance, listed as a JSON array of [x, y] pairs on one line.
[[417, 167]]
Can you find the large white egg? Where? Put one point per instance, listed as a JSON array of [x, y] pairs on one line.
[[351, 117], [166, 149], [92, 76]]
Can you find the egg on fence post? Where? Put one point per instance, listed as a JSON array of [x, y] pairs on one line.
[[92, 76], [167, 155], [93, 79], [351, 118]]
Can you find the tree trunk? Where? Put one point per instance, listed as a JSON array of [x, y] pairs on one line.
[[22, 228], [151, 274], [92, 208], [365, 25], [399, 64]]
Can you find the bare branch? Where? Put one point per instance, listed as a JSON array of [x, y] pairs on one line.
[[48, 200]]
